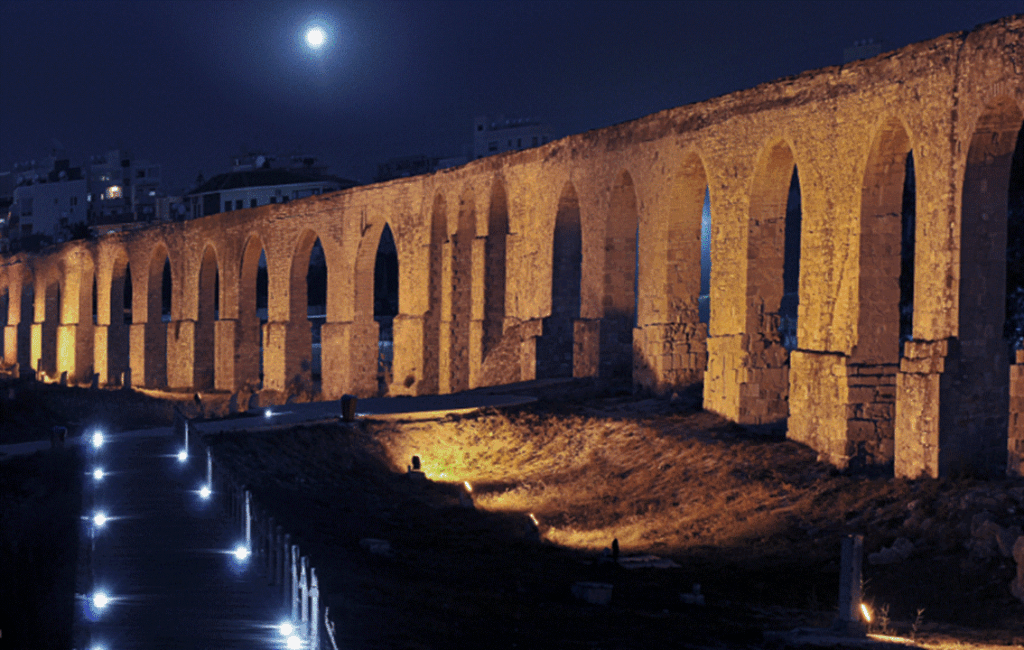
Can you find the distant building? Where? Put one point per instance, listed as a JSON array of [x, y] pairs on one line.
[[254, 181], [864, 49], [500, 134], [51, 201]]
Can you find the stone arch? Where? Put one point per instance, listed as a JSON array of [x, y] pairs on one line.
[[494, 267], [151, 359], [765, 397], [431, 372], [619, 280], [464, 336], [974, 398], [118, 320], [298, 363], [18, 346], [207, 308], [372, 330], [248, 366], [555, 346]]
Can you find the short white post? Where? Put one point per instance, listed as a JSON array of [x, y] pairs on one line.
[[314, 607], [295, 582], [248, 520], [186, 436], [209, 469], [849, 586], [304, 585]]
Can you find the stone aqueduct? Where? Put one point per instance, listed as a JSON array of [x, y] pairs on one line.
[[528, 263]]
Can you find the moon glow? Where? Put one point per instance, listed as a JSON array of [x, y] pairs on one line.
[[315, 37]]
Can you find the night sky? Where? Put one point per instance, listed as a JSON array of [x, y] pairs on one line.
[[189, 85]]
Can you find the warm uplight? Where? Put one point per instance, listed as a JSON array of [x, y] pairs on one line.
[[534, 520], [469, 488], [286, 629], [99, 519], [97, 474], [205, 492], [866, 612], [182, 456], [97, 439]]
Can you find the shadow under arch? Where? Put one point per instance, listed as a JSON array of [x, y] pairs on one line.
[[376, 306], [119, 302], [619, 289], [430, 372], [555, 346], [974, 389], [460, 328], [207, 313], [494, 268]]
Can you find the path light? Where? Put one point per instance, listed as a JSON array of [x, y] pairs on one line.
[[182, 456], [204, 492], [241, 553], [100, 600], [97, 439], [293, 643], [99, 519], [286, 629], [267, 413], [97, 474]]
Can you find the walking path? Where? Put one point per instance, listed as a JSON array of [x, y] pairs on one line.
[[163, 557]]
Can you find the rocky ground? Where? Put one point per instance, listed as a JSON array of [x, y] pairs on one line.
[[750, 517]]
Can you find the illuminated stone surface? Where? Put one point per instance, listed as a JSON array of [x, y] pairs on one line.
[[522, 265]]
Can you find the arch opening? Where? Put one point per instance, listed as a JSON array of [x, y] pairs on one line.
[[789, 304], [207, 314], [704, 300], [555, 354], [47, 361], [430, 373], [385, 305], [252, 315], [494, 268], [620, 281], [316, 307]]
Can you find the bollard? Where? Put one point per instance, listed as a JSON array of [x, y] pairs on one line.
[[269, 563], [304, 586], [314, 607], [248, 520], [286, 589], [209, 469], [849, 621], [295, 582]]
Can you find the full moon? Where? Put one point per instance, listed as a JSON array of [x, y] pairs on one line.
[[316, 37]]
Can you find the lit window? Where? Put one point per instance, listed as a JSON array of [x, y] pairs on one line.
[[113, 192]]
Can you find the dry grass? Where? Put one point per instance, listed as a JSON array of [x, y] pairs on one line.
[[752, 518]]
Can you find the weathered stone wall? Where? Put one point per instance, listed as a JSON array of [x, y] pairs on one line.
[[582, 258]]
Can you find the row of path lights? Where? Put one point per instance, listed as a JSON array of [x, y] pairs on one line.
[[268, 547], [99, 599]]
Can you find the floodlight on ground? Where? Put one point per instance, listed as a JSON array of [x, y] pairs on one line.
[[286, 629], [866, 612], [97, 474], [205, 492], [100, 518], [182, 456], [293, 643], [97, 439], [534, 520], [469, 488]]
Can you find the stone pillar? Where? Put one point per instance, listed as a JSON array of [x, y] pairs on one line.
[[226, 356], [407, 368], [181, 354], [444, 357], [1015, 444], [531, 330], [725, 373], [148, 354], [916, 433], [74, 351], [475, 352], [586, 347], [101, 353], [669, 356], [336, 353], [287, 355], [12, 335], [818, 400]]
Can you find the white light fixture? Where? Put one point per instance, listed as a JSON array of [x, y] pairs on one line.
[[294, 642], [97, 474], [99, 519], [241, 553], [182, 456], [205, 492], [100, 600], [286, 629], [97, 439], [267, 413]]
